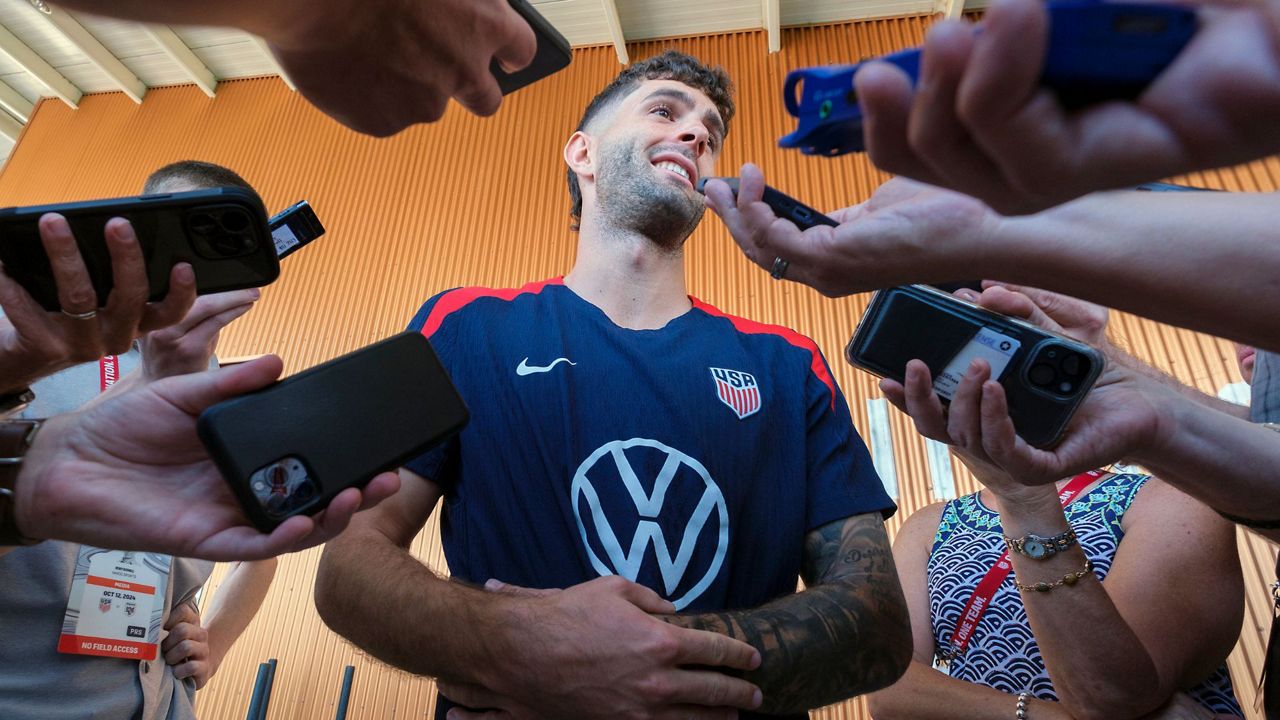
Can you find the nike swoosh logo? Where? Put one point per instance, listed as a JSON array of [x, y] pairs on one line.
[[526, 369]]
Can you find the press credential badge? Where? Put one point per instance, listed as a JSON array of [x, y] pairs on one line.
[[116, 605]]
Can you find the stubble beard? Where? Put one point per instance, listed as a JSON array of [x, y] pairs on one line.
[[630, 198]]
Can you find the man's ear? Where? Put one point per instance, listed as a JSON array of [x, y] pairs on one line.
[[578, 155]]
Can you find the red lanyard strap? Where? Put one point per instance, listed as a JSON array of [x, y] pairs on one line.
[[995, 577], [108, 371]]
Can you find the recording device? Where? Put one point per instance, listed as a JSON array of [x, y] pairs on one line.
[[783, 205], [294, 227], [554, 53], [1045, 375], [222, 232], [1098, 51], [289, 448]]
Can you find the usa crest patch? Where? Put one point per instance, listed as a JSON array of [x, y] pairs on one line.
[[738, 390]]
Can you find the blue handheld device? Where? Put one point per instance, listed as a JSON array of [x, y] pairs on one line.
[[1097, 51]]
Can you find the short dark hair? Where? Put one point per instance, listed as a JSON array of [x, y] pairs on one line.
[[670, 65], [198, 173]]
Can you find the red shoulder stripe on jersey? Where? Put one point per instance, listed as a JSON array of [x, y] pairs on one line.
[[751, 327], [455, 300]]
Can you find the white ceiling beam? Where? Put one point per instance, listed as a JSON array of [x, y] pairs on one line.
[[181, 54], [271, 59], [615, 30], [773, 24], [100, 56], [952, 9], [32, 63], [9, 127], [15, 103]]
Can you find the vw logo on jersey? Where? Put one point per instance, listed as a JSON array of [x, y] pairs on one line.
[[738, 390], [676, 507]]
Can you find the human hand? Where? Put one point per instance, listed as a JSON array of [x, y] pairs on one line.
[[36, 342], [129, 472], [381, 68], [979, 121], [1116, 419], [905, 232], [594, 651], [187, 346], [186, 647]]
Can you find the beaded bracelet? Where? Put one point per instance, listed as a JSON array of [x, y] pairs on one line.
[[1021, 710], [1068, 579]]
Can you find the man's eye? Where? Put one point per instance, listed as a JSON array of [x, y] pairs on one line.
[[662, 110]]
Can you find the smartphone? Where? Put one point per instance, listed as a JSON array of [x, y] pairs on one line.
[[554, 53], [1097, 51], [294, 227], [783, 205], [1045, 375], [222, 232], [289, 448]]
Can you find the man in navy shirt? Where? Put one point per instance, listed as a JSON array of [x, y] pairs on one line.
[[643, 479]]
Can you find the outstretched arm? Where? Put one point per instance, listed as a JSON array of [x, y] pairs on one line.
[[848, 633]]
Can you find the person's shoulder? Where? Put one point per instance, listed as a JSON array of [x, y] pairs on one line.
[[748, 327], [462, 302]]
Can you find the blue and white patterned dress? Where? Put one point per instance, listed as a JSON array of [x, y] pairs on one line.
[[1002, 652]]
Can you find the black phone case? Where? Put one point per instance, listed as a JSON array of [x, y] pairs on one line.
[[222, 232], [891, 327], [782, 204], [554, 52], [344, 421]]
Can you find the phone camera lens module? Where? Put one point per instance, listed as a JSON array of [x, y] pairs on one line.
[[1072, 364], [1065, 388], [1041, 374], [234, 221], [203, 223]]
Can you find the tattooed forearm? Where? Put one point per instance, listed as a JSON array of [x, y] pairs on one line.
[[848, 633]]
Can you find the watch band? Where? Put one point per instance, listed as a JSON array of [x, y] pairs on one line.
[[16, 437], [1038, 547]]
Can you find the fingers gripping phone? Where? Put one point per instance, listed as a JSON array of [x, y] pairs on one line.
[[222, 232], [783, 205], [294, 227], [1045, 375], [289, 448], [553, 55]]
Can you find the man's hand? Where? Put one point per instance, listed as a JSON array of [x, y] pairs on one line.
[[35, 342], [129, 472], [979, 121], [906, 232], [379, 68], [186, 648], [1117, 418], [187, 346], [593, 651]]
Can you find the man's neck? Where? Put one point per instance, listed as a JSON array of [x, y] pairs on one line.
[[638, 284]]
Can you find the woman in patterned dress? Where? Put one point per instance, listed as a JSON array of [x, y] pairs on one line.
[[1116, 630]]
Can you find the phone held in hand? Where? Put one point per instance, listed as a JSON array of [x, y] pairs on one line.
[[222, 232], [294, 227], [782, 204], [553, 55], [289, 448], [1045, 375]]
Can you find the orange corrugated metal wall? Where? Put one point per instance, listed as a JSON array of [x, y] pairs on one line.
[[470, 201]]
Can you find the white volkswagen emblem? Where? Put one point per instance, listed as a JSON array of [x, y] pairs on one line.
[[649, 506]]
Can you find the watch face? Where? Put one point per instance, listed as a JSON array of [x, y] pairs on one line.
[[1033, 548]]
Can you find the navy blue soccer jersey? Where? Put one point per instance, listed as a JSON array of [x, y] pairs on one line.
[[692, 459]]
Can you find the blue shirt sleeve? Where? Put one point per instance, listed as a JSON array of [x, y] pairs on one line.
[[438, 463], [842, 481]]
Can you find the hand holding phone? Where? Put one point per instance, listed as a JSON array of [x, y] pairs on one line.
[[290, 448], [1045, 375], [222, 233]]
